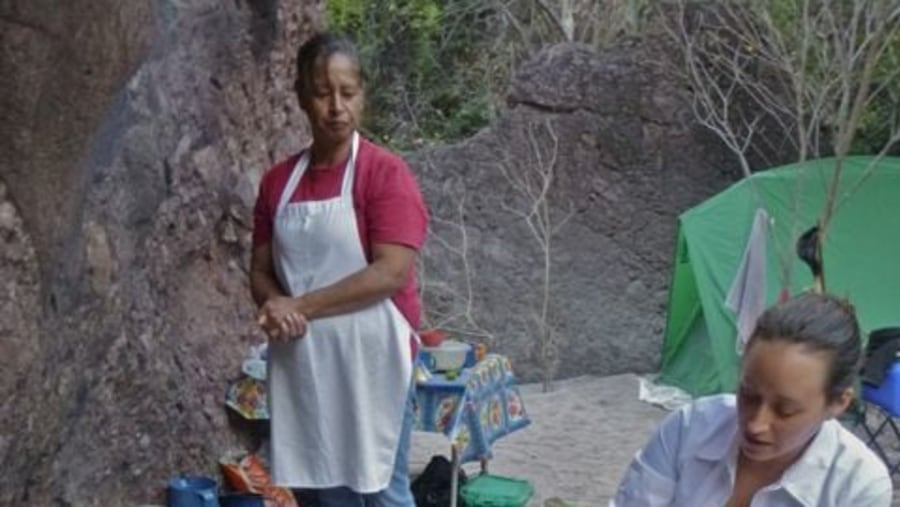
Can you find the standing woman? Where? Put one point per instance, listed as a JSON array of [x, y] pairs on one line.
[[337, 228], [775, 444]]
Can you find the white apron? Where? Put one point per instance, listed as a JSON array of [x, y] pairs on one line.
[[336, 396]]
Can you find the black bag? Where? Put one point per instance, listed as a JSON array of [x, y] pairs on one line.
[[432, 488], [881, 352]]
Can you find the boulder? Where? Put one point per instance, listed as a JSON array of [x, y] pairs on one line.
[[625, 156], [133, 137]]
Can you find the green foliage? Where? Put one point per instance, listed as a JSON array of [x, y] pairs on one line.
[[881, 116], [421, 60], [438, 70]]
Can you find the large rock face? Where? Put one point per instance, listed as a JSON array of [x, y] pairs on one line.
[[626, 158], [132, 139]]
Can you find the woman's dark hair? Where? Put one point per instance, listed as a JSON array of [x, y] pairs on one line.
[[822, 323], [322, 45]]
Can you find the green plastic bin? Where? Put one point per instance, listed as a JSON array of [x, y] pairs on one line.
[[488, 490]]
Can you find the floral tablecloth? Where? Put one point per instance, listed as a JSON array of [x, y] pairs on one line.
[[247, 397], [473, 410]]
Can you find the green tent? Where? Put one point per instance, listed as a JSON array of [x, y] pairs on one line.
[[861, 257]]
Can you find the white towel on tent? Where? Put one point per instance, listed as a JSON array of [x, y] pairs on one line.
[[747, 296]]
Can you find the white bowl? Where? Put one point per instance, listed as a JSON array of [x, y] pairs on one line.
[[449, 356]]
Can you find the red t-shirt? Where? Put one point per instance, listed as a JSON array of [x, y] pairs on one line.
[[389, 207]]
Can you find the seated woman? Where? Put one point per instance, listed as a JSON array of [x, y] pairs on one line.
[[776, 443]]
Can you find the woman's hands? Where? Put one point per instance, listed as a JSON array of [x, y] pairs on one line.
[[281, 320], [279, 316], [284, 318]]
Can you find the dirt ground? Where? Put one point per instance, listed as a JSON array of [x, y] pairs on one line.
[[582, 436]]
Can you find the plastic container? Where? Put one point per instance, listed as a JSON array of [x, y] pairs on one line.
[[432, 337], [887, 395], [488, 490], [192, 491], [450, 356]]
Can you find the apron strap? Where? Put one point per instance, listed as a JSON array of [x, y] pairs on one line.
[[303, 163], [294, 180], [350, 170]]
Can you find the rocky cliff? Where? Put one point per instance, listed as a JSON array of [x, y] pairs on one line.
[[132, 138]]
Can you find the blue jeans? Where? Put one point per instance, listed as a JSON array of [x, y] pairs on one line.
[[397, 494]]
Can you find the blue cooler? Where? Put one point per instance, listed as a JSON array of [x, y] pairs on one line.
[[887, 395]]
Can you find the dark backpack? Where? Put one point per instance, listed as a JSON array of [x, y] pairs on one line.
[[432, 488]]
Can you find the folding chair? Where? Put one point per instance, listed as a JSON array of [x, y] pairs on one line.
[[884, 424], [884, 400]]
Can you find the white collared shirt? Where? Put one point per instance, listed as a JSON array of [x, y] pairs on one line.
[[690, 462]]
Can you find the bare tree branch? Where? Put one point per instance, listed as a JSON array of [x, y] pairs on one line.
[[533, 183], [564, 20], [805, 72], [463, 322]]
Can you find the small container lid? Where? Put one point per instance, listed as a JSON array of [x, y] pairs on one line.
[[449, 346]]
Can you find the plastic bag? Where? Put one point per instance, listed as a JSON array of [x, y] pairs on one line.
[[248, 475], [432, 488]]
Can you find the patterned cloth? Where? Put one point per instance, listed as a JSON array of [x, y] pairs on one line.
[[247, 397], [473, 410]]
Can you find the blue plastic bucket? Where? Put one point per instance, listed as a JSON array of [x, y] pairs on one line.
[[192, 491]]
